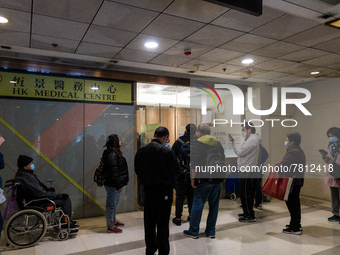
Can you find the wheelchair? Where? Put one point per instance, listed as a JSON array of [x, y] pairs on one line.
[[29, 225]]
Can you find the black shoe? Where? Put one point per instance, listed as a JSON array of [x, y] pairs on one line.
[[241, 215], [300, 227], [177, 221], [207, 235], [291, 231], [188, 234], [247, 219]]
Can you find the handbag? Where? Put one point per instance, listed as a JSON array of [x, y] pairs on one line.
[[277, 186], [100, 174], [12, 204]]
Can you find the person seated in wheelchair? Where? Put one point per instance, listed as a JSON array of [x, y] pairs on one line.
[[32, 188]]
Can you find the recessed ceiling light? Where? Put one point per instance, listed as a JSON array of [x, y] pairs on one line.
[[247, 61], [3, 19], [314, 72], [151, 45]]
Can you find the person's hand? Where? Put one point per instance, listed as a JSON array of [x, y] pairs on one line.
[[120, 190], [193, 184]]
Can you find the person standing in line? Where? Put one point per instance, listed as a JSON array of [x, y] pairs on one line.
[[258, 179], [329, 156], [296, 157], [157, 169], [248, 155], [182, 148], [118, 176], [2, 166], [206, 147]]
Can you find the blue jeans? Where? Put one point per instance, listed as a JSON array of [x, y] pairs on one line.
[[205, 191], [112, 200]]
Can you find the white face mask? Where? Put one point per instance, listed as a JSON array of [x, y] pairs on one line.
[[286, 144], [244, 134]]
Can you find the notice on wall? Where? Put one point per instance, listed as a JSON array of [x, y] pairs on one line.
[[34, 86]]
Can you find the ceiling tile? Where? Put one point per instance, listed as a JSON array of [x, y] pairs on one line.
[[269, 75], [196, 10], [220, 55], [135, 55], [77, 10], [213, 36], [247, 43], [54, 27], [322, 72], [284, 26], [195, 49], [18, 20], [124, 17], [246, 22], [257, 60], [278, 49], [248, 72], [274, 64], [324, 61], [21, 5], [155, 5], [172, 27], [303, 55], [163, 43], [332, 45], [45, 43], [228, 69], [108, 36], [295, 68], [13, 38], [205, 64], [167, 60], [97, 50], [315, 35]]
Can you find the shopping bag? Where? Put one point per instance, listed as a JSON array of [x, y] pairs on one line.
[[277, 186], [12, 204]]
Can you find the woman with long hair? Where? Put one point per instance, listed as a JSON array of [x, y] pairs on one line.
[[118, 176]]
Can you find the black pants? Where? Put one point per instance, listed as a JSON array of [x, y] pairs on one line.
[[157, 209], [247, 196], [294, 208], [183, 189], [64, 202]]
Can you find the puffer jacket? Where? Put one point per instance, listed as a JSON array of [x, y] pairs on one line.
[[117, 169]]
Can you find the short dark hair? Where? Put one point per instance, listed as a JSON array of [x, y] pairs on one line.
[[334, 131], [161, 132], [249, 125], [294, 137], [191, 128], [204, 129]]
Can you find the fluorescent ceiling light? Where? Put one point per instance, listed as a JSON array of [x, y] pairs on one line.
[[12, 82], [151, 45], [247, 61], [316, 72], [3, 19], [94, 88]]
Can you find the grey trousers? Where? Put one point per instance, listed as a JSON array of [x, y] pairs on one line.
[[335, 197]]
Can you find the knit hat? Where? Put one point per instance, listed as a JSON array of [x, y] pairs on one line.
[[24, 160]]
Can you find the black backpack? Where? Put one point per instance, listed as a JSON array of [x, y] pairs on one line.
[[100, 174], [215, 158], [184, 157]]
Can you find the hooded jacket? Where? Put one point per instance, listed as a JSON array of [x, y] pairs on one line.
[[248, 153]]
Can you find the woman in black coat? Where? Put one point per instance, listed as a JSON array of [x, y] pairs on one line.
[[118, 176]]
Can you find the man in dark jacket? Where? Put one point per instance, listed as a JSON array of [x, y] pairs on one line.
[[183, 183], [31, 188], [157, 168]]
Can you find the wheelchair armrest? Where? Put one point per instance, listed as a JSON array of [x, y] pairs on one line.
[[41, 199]]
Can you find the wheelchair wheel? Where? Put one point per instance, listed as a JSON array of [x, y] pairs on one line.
[[233, 196], [63, 235], [26, 228]]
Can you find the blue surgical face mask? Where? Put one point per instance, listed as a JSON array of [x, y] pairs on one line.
[[32, 167], [286, 144], [334, 139]]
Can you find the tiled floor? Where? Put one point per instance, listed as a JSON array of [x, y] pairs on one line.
[[263, 237]]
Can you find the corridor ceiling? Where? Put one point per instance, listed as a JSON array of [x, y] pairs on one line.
[[289, 40]]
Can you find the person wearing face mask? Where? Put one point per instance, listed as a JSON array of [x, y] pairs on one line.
[[329, 156], [31, 188], [248, 155], [296, 157]]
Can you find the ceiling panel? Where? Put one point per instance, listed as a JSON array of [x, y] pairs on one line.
[[168, 60], [248, 72], [228, 69], [205, 64], [103, 51], [257, 60], [124, 17], [332, 45], [54, 27], [135, 55], [21, 5], [284, 27], [315, 35], [274, 64], [45, 43], [13, 38], [155, 5], [108, 36], [270, 75], [278, 49], [245, 22], [172, 27], [196, 10], [213, 36], [163, 43], [303, 55], [296, 68], [195, 49], [18, 20], [220, 55], [324, 61], [247, 43], [77, 10]]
